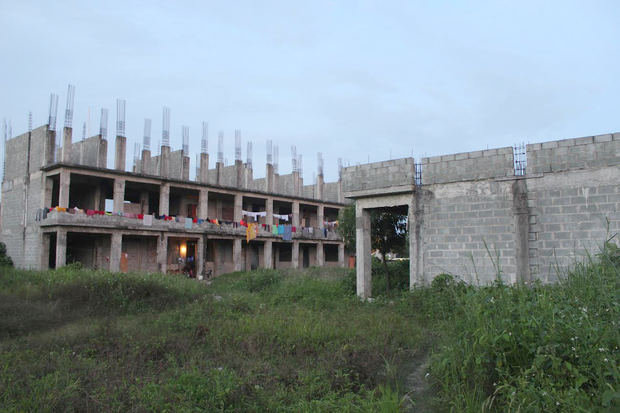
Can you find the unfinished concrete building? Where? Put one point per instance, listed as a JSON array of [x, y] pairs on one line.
[[158, 220]]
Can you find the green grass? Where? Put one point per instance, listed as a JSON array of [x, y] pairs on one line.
[[286, 341]]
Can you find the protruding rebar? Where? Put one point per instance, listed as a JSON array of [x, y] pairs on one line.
[[339, 168], [294, 158], [84, 131], [103, 125], [53, 111], [69, 108], [300, 164], [185, 134], [220, 147], [276, 158], [249, 155], [237, 145], [120, 117], [30, 121], [269, 152], [204, 142], [319, 163], [165, 127], [146, 139]]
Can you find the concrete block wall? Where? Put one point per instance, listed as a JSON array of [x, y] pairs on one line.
[[469, 231], [331, 191], [578, 153], [378, 175], [309, 191], [571, 212], [286, 185], [490, 163], [176, 165], [37, 148]]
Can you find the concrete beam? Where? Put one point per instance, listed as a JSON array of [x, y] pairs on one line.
[[362, 248]]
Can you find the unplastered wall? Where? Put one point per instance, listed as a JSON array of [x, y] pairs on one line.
[[468, 230], [378, 175], [574, 200]]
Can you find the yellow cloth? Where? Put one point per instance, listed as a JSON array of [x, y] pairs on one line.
[[251, 232]]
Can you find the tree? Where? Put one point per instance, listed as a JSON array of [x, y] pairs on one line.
[[388, 232], [5, 260]]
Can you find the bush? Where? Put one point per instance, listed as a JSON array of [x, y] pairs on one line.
[[5, 260]]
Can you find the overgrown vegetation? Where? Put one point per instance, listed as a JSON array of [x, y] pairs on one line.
[[74, 340], [5, 260]]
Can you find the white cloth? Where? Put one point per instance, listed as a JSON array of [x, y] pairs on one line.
[[282, 217], [147, 220]]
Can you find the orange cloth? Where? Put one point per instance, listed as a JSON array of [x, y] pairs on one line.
[[251, 232]]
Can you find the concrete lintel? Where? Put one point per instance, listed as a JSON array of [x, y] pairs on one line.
[[380, 192]]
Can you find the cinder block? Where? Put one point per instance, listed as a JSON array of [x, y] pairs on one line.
[[550, 145]]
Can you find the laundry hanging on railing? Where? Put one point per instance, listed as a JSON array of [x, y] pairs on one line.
[[282, 217], [254, 215]]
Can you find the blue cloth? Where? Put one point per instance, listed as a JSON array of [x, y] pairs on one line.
[[281, 229], [288, 233], [188, 223]]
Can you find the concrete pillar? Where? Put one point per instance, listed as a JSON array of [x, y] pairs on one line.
[[98, 199], [162, 253], [268, 254], [269, 178], [238, 207], [295, 220], [204, 168], [415, 223], [319, 187], [144, 202], [521, 214], [145, 162], [237, 254], [61, 248], [102, 156], [63, 188], [120, 153], [269, 211], [240, 174], [362, 251], [185, 166], [200, 257], [295, 255], [218, 173], [164, 162], [116, 249], [44, 255], [66, 144], [50, 147], [320, 256], [297, 187], [164, 199], [203, 203], [119, 195], [47, 195], [341, 262], [320, 216]]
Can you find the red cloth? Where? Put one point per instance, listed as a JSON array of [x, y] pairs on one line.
[[140, 216]]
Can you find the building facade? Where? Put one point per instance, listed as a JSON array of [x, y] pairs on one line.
[[63, 205]]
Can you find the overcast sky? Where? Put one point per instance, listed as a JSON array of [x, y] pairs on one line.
[[355, 80]]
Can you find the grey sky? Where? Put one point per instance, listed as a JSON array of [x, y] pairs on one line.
[[357, 80]]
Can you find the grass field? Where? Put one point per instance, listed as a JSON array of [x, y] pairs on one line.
[[77, 340]]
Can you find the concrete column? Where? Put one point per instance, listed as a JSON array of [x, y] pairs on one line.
[[162, 253], [116, 245], [47, 194], [341, 262], [144, 202], [66, 144], [269, 211], [203, 203], [44, 255], [238, 207], [164, 162], [185, 166], [297, 186], [164, 199], [218, 173], [415, 229], [240, 174], [200, 257], [295, 255], [50, 147], [362, 251], [521, 214], [119, 194], [268, 254], [102, 156], [120, 153], [237, 254], [269, 178], [320, 256], [295, 220], [319, 187], [204, 168], [98, 199], [320, 216], [63, 188], [61, 248], [145, 162]]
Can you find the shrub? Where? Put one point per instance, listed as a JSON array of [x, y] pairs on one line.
[[5, 260]]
